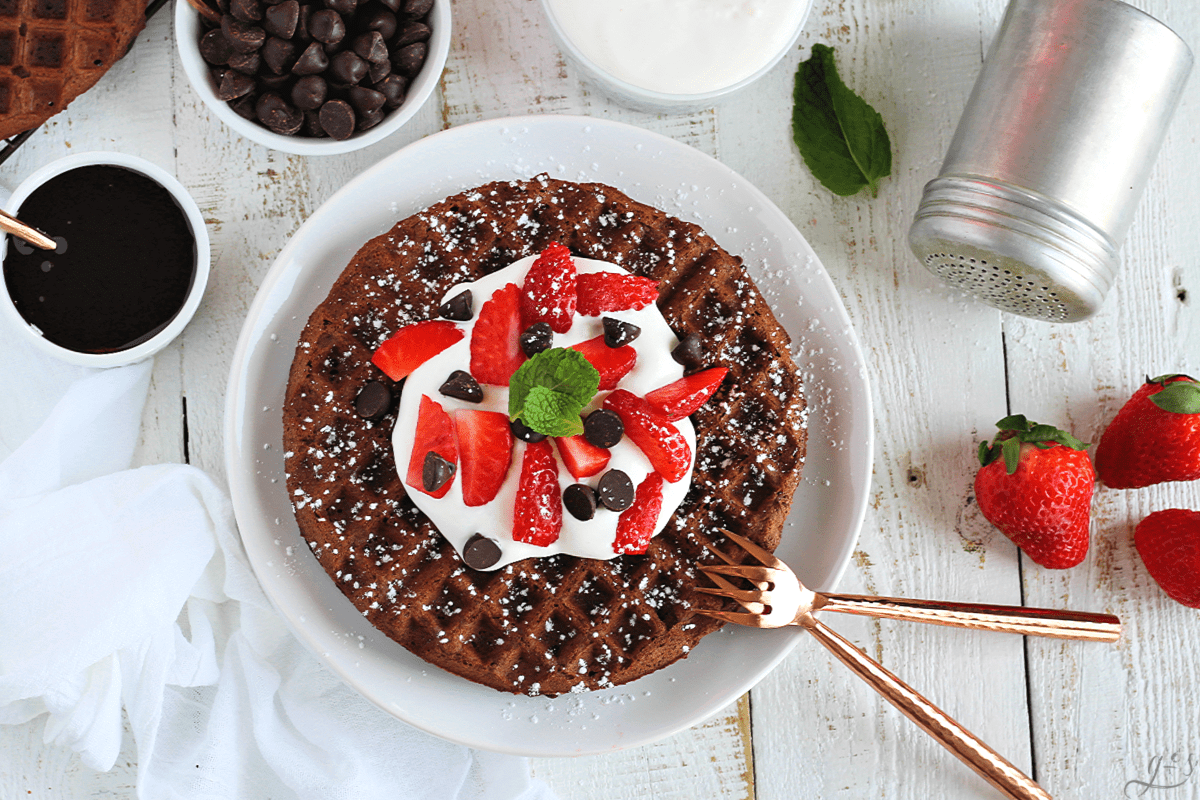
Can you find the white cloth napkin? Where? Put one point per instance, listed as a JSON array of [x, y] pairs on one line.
[[126, 591]]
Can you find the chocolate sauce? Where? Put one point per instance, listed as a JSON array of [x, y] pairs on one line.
[[125, 261]]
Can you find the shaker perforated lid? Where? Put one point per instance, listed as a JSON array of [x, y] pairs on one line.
[[1051, 155]]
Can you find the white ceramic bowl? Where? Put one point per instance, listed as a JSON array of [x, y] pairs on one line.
[[644, 99], [199, 280], [187, 40]]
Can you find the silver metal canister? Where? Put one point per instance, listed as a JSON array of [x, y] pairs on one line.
[[1051, 155]]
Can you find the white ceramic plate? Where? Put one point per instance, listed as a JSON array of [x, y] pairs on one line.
[[829, 505]]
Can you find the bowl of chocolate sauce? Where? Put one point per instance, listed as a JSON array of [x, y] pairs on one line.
[[129, 269]]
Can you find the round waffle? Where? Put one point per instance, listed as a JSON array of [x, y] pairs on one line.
[[51, 51], [557, 624]]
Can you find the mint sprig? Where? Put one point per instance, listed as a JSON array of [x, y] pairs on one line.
[[840, 136], [548, 392]]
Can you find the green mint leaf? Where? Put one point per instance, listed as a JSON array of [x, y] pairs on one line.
[[552, 413], [548, 392], [1180, 397], [840, 136]]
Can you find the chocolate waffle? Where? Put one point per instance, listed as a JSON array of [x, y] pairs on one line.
[[556, 624], [51, 51]]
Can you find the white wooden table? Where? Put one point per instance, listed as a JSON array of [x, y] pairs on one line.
[[1087, 720]]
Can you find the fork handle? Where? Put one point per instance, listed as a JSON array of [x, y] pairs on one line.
[[990, 765], [1007, 619]]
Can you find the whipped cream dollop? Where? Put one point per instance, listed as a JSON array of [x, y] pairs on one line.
[[592, 538], [680, 46]]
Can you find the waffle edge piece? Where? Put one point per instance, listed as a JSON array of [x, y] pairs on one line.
[[558, 624]]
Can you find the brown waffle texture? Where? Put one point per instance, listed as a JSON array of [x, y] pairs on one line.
[[51, 51], [557, 624]]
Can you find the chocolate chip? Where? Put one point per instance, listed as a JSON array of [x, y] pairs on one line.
[[417, 8], [310, 92], [371, 47], [347, 67], [603, 428], [411, 32], [395, 88], [337, 118], [374, 401], [312, 125], [383, 21], [618, 333], [246, 10], [312, 61], [369, 119], [436, 471], [234, 85], [524, 432], [326, 26], [215, 48], [457, 307], [580, 501], [242, 36], [689, 352], [536, 338], [278, 54], [244, 106], [274, 112], [463, 386], [480, 552], [302, 34], [378, 72], [280, 20], [615, 490], [408, 59], [279, 84], [392, 5], [343, 7], [364, 100], [246, 63]]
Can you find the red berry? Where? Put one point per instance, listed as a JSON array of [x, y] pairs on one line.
[[537, 515], [600, 292], [582, 458], [485, 443], [1044, 504], [681, 398], [413, 345], [549, 291], [1147, 444], [636, 524], [1169, 543], [613, 363], [659, 439], [435, 432], [495, 340]]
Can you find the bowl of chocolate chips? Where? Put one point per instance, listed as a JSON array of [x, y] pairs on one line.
[[313, 77]]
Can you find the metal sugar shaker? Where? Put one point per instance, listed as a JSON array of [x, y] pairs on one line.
[[1051, 155]]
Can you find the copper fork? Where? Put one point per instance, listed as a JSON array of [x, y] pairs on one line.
[[780, 599]]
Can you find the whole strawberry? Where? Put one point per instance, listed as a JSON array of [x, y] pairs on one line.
[[1155, 437], [1036, 485], [1169, 544]]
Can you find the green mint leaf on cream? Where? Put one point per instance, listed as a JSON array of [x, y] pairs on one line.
[[840, 136], [549, 391]]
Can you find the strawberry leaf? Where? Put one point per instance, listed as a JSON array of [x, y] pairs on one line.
[[1180, 397], [1012, 454]]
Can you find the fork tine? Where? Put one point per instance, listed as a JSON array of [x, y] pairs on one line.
[[738, 618], [717, 552], [745, 598], [750, 547], [750, 572]]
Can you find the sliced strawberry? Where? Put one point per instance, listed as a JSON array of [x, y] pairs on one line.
[[636, 524], [613, 363], [485, 442], [495, 346], [549, 291], [582, 458], [435, 432], [537, 515], [413, 345], [613, 291], [659, 439], [681, 398]]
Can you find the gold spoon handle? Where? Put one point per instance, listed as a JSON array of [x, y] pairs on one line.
[[1007, 619], [990, 765], [11, 224]]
